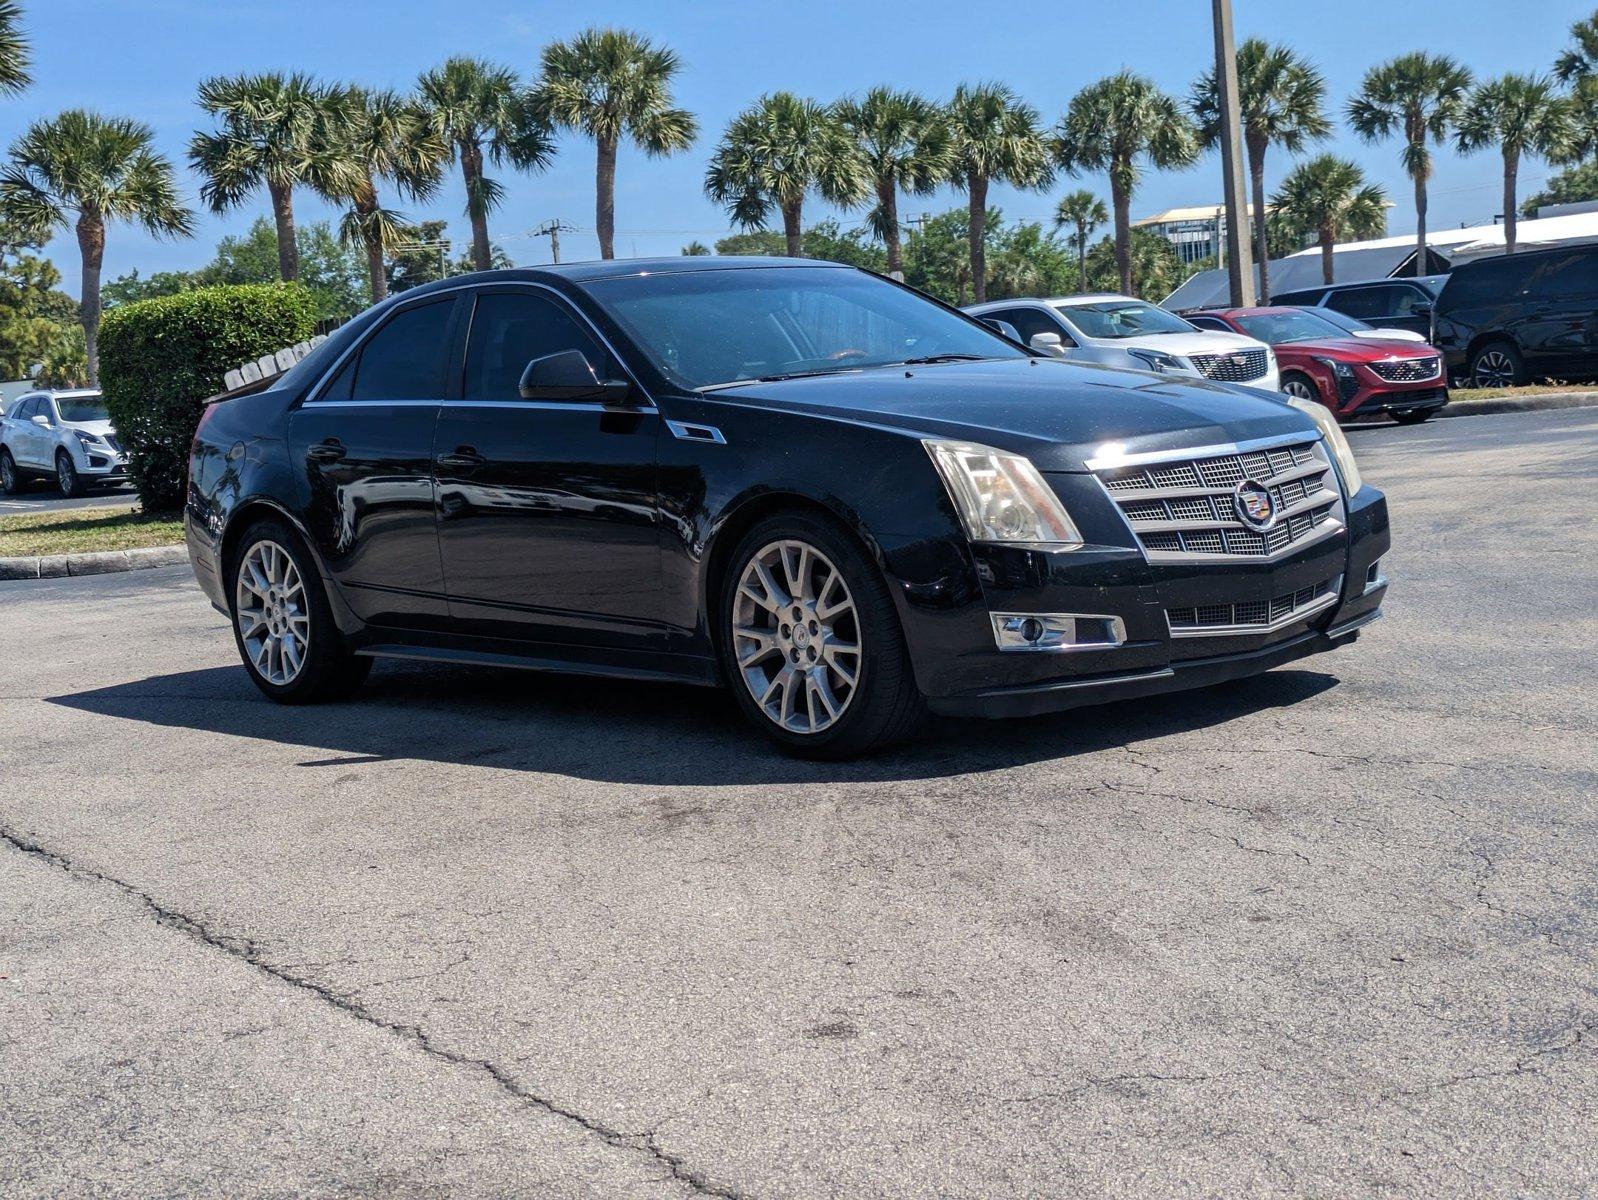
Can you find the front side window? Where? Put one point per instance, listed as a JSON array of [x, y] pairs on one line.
[[1118, 319], [1029, 322], [716, 327], [1366, 302], [82, 408], [404, 360], [509, 330]]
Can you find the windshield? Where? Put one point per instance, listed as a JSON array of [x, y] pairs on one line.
[[719, 327], [82, 408], [1288, 325], [1121, 319], [1351, 324]]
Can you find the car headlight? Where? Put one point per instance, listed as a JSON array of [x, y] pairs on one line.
[[1001, 497], [1339, 368], [1161, 362], [1342, 452], [87, 439]]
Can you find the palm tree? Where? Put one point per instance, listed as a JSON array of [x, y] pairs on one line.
[[995, 138], [87, 169], [1418, 95], [381, 136], [607, 83], [905, 142], [1112, 124], [480, 113], [273, 130], [774, 153], [1083, 212], [15, 58], [1521, 115], [695, 249], [1580, 60], [1328, 196], [1281, 99]]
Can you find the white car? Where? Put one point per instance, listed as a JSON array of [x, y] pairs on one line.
[[1119, 331], [64, 435]]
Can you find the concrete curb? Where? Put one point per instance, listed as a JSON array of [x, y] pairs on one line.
[[1510, 404], [94, 562]]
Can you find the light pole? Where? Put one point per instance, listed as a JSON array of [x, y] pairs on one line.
[[1239, 256]]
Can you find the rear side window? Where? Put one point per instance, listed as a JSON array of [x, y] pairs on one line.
[[509, 330], [1559, 276], [1309, 299], [404, 360]]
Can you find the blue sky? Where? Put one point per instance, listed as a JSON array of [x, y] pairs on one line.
[[143, 58]]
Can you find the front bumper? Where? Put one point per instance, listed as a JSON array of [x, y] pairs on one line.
[[1331, 588], [99, 465]]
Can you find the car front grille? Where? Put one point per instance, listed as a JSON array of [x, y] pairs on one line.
[[1253, 616], [1182, 507], [1235, 366], [1408, 370]]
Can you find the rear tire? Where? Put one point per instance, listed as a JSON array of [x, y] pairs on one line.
[[10, 477], [1497, 364], [68, 481], [787, 673], [282, 624]]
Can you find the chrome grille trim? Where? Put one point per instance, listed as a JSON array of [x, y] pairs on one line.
[[1253, 616], [1408, 370], [1231, 366], [1179, 504]]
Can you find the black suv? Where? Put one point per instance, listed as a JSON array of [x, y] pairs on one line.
[[1384, 303], [1511, 318]]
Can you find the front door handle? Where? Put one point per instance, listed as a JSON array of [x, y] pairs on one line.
[[464, 458], [327, 451]]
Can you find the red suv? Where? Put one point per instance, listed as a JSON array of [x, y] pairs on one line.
[[1354, 377]]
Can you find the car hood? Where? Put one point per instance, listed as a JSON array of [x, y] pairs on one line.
[[1058, 414], [1199, 342], [1387, 335], [1357, 349], [98, 428]]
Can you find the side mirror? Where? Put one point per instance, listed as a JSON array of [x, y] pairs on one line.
[[1048, 343], [568, 375], [1421, 310], [42, 421], [1002, 327]]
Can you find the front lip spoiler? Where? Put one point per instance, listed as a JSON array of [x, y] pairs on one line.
[[1058, 695]]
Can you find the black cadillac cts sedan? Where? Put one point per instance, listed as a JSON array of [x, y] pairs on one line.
[[844, 501]]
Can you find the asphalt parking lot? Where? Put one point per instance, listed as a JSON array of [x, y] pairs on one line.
[[1329, 931], [41, 496]]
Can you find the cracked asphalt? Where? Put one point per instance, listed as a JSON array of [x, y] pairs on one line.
[[1329, 931]]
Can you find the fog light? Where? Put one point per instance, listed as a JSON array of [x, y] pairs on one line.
[[1056, 631]]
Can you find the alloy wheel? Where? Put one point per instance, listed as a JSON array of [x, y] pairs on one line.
[[1300, 389], [8, 474], [274, 622], [1494, 369], [796, 636], [66, 475]]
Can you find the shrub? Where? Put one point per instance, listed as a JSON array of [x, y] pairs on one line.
[[160, 358]]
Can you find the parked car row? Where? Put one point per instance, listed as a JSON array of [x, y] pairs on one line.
[[65, 436], [1501, 321]]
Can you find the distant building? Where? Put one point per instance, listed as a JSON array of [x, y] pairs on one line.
[[1196, 233]]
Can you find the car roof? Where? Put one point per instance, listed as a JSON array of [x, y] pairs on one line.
[[1429, 282], [1520, 255], [586, 272]]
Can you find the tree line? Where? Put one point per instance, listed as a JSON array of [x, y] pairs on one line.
[[276, 135]]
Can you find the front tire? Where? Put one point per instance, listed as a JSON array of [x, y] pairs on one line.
[[68, 481], [10, 477], [1496, 365], [282, 625], [1300, 386], [811, 643]]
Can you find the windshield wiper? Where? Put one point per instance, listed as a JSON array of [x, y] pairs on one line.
[[732, 383], [939, 358]]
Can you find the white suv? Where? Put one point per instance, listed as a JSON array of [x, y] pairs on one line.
[[1119, 331], [64, 435]]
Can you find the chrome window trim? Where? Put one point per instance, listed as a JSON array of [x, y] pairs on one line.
[[479, 285], [1292, 618], [553, 405], [1196, 452]]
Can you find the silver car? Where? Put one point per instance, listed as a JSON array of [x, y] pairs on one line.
[[63, 435]]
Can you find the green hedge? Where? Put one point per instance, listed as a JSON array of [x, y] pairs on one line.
[[160, 358]]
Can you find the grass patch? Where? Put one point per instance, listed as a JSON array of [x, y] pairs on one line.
[[82, 529], [1466, 395]]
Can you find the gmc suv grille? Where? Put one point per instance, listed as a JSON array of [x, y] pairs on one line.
[[1408, 370], [1181, 507], [1234, 366]]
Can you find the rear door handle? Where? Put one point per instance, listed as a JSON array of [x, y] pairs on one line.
[[463, 459], [327, 451]]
